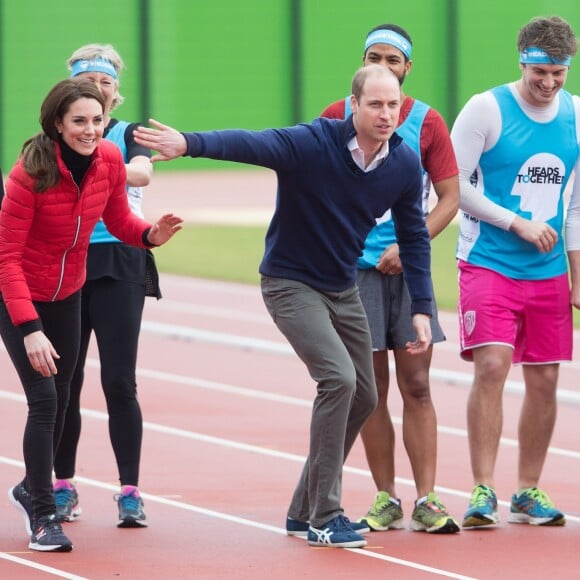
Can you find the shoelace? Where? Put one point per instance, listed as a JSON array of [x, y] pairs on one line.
[[130, 501], [482, 496], [378, 507], [62, 496], [539, 496], [54, 527], [51, 525], [342, 522]]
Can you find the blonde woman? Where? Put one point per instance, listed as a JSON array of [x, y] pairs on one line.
[[112, 303]]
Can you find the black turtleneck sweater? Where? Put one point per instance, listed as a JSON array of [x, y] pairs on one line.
[[77, 164]]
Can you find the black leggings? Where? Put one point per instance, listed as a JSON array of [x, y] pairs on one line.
[[113, 309], [47, 397]]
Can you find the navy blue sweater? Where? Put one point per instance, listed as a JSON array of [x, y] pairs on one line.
[[326, 204]]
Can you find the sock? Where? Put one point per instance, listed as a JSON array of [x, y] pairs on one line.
[[63, 484], [130, 489]]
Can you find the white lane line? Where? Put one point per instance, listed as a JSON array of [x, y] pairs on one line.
[[241, 521], [187, 333], [40, 567], [214, 312], [269, 452]]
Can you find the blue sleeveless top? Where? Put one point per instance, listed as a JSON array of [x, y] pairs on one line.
[[526, 171], [100, 234]]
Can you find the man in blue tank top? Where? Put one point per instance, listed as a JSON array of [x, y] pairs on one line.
[[516, 147]]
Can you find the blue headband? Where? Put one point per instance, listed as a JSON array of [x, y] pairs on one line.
[[94, 65], [535, 55], [389, 37]]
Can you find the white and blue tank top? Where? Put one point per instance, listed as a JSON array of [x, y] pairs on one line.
[[100, 234], [526, 171]]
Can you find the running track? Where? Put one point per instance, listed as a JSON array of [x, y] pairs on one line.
[[227, 411]]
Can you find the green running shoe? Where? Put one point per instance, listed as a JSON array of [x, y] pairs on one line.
[[384, 514], [431, 516]]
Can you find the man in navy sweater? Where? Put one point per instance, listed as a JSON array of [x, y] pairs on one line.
[[336, 178]]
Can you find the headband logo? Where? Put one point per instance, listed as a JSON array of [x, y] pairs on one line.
[[535, 55], [101, 65], [389, 37]]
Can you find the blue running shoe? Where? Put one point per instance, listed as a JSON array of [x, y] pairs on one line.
[[299, 529], [131, 514], [482, 508], [336, 533], [66, 499], [533, 506]]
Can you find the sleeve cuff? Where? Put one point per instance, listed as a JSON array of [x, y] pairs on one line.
[[29, 327], [422, 307], [146, 241], [194, 146]]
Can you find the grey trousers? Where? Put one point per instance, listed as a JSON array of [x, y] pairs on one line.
[[329, 332]]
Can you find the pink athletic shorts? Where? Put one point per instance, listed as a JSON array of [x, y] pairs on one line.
[[534, 317]]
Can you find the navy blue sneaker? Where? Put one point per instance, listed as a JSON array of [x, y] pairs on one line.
[[336, 533], [296, 528], [22, 501], [48, 536], [300, 529]]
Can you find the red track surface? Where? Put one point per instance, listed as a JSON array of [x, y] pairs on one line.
[[227, 412]]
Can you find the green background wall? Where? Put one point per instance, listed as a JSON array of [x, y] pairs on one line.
[[488, 40], [202, 65]]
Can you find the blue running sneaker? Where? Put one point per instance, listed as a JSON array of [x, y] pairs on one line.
[[22, 500], [533, 506], [482, 508], [336, 533], [66, 499], [131, 514], [299, 529]]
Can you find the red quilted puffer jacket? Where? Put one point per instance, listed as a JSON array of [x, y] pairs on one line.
[[44, 236]]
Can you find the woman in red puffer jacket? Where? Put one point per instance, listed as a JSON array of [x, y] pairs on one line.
[[66, 179]]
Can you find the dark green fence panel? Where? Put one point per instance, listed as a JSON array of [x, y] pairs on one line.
[[36, 40], [487, 41], [334, 35], [202, 65], [218, 65]]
